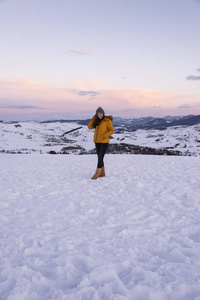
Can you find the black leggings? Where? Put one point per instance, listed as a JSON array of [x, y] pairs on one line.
[[101, 149]]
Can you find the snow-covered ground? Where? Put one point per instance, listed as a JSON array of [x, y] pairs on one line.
[[33, 137], [134, 234]]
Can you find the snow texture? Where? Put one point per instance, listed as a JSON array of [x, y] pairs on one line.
[[134, 234]]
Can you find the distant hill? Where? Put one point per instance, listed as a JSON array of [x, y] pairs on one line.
[[155, 123], [146, 123], [81, 122]]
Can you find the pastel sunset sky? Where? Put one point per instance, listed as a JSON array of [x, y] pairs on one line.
[[61, 59]]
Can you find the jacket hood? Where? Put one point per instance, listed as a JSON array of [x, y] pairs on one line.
[[110, 117]]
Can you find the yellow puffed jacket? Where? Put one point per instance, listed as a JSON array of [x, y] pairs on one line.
[[103, 130]]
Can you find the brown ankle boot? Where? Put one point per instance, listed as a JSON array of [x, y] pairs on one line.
[[97, 173], [102, 172]]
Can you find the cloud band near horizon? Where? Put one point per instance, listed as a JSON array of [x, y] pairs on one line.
[[10, 106], [42, 98]]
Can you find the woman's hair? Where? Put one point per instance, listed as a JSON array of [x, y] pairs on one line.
[[96, 121]]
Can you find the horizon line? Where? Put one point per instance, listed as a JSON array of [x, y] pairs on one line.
[[65, 120]]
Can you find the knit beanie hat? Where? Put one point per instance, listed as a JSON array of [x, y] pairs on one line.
[[100, 110]]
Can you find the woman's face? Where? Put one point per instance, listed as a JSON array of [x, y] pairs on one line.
[[100, 115]]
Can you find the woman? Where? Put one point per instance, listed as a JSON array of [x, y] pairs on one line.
[[103, 129]]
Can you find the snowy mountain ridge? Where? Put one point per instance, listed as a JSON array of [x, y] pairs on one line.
[[67, 138], [147, 123]]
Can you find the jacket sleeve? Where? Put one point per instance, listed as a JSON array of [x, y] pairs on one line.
[[110, 130], [90, 125]]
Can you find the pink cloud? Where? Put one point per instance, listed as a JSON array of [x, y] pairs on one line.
[[41, 98]]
